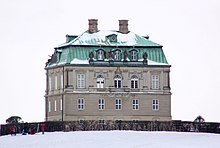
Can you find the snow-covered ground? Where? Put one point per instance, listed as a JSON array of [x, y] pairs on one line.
[[112, 139]]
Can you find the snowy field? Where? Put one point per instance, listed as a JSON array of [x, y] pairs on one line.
[[112, 139]]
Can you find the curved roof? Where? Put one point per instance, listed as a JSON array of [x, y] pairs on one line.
[[102, 38]]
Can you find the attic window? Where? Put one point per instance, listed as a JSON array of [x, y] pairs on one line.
[[133, 55], [112, 38], [117, 55], [100, 55]]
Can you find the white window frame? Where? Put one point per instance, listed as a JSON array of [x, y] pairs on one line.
[[155, 81], [117, 55], [81, 104], [135, 104], [118, 104], [134, 82], [101, 104], [100, 55], [100, 81], [80, 79], [55, 105], [133, 55], [117, 81], [155, 105]]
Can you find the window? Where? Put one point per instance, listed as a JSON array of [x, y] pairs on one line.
[[134, 81], [155, 104], [80, 80], [155, 79], [135, 104], [50, 84], [80, 104], [55, 105], [61, 81], [61, 104], [118, 104], [117, 81], [101, 104], [100, 55], [49, 106], [100, 81], [117, 55], [134, 55], [55, 82]]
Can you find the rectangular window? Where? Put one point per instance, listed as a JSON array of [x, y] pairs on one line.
[[117, 83], [101, 104], [117, 55], [118, 104], [55, 82], [133, 55], [135, 104], [80, 104], [134, 83], [49, 106], [155, 104], [55, 105], [80, 80], [155, 81], [61, 81], [61, 104]]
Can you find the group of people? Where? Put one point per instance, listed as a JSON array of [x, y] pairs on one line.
[[31, 130]]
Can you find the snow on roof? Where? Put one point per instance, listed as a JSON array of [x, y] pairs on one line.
[[100, 38]]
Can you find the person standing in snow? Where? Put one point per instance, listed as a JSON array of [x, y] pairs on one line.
[[42, 128]]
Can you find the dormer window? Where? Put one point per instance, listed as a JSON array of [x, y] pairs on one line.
[[117, 55], [100, 55], [133, 55], [112, 37]]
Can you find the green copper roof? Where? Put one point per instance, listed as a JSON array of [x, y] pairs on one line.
[[82, 53], [78, 48]]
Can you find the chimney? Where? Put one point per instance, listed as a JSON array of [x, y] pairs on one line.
[[93, 25], [123, 26]]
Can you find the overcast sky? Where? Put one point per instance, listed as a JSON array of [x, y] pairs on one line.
[[189, 31]]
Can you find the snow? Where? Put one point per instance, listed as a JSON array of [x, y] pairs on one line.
[[78, 61], [112, 139], [86, 38]]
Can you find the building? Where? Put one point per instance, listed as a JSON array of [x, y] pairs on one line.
[[108, 75]]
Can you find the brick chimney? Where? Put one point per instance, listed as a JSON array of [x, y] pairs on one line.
[[93, 25], [123, 26]]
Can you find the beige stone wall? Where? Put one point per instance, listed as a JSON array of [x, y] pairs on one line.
[[91, 94]]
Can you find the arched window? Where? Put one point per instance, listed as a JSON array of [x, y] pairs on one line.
[[100, 81], [117, 55], [117, 81], [134, 55], [100, 55], [134, 81]]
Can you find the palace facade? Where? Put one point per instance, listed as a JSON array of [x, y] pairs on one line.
[[108, 75]]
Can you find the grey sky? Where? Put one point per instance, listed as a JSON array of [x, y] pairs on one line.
[[189, 31]]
